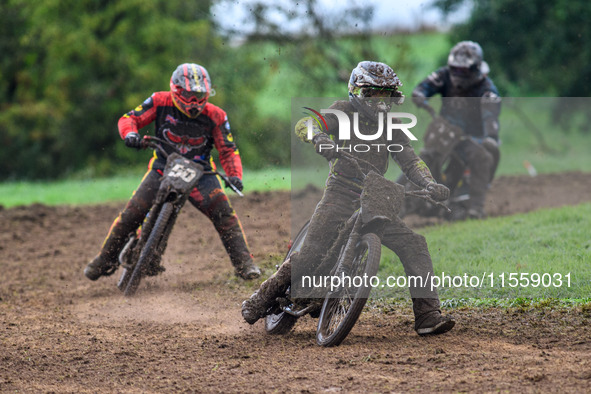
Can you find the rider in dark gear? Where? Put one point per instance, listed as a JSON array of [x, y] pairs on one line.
[[185, 118], [373, 88], [474, 109]]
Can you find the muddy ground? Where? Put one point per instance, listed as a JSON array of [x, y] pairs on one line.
[[60, 332]]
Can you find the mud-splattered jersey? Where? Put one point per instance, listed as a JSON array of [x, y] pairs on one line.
[[194, 137], [475, 110], [377, 154]]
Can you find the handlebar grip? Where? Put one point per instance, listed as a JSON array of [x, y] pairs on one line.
[[426, 195]]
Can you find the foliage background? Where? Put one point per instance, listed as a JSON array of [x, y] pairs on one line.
[[77, 65], [71, 68]]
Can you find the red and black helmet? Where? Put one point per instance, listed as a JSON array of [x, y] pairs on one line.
[[190, 87]]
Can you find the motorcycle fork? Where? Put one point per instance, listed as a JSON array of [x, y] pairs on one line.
[[376, 226], [171, 221], [346, 257]]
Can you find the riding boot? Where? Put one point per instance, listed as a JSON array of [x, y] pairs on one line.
[[105, 263], [240, 256], [428, 317], [210, 199], [128, 221], [261, 300]]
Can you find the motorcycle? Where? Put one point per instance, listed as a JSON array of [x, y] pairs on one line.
[[142, 254], [356, 252], [446, 166]]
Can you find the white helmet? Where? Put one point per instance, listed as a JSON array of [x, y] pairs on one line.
[[464, 62]]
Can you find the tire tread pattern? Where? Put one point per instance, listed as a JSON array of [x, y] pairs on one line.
[[373, 244]]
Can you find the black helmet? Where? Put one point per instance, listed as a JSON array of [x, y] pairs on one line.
[[464, 62], [374, 80]]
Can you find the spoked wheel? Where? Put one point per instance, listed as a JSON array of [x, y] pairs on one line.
[[151, 247], [342, 307], [281, 323]]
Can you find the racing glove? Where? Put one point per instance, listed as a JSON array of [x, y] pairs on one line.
[[133, 140], [236, 182], [325, 146], [438, 191]]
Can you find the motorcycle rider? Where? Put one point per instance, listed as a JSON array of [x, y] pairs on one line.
[[184, 117], [373, 86], [473, 105]]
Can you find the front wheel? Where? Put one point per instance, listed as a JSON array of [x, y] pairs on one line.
[[342, 307], [281, 323], [151, 247]]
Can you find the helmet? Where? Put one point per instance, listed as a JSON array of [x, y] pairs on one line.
[[372, 86], [190, 87], [464, 62]]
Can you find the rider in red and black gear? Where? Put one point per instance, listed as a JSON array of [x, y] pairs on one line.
[[185, 118]]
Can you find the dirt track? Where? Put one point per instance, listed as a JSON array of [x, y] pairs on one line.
[[183, 331]]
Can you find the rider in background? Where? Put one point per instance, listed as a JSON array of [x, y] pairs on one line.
[[373, 87], [184, 117], [475, 110]]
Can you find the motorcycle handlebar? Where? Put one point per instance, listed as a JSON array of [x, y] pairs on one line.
[[422, 194], [156, 144]]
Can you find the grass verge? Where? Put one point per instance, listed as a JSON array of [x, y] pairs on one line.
[[540, 255], [117, 188]]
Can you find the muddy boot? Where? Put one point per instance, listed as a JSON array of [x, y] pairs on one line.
[[434, 323], [107, 262], [127, 222], [236, 247], [261, 300], [100, 266], [247, 270], [428, 317]]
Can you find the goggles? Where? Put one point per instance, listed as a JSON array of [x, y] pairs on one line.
[[371, 91], [463, 71], [192, 96]]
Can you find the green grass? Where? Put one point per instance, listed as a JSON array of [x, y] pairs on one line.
[[522, 305], [118, 188], [551, 241]]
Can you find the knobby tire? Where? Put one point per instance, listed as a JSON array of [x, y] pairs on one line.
[[339, 314], [149, 249]]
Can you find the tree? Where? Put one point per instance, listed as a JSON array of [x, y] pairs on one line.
[[323, 46], [534, 46], [76, 66]]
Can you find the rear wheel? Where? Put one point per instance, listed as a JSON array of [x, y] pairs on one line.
[[342, 307], [281, 323], [149, 250]]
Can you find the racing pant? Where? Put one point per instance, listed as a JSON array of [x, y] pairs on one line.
[[482, 160], [208, 197], [336, 206], [482, 165]]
